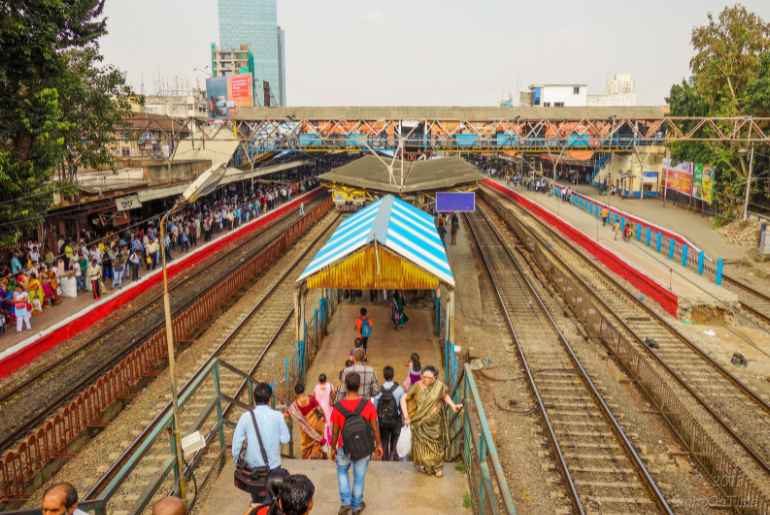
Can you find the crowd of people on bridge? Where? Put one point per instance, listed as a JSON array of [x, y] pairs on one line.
[[351, 423], [36, 277]]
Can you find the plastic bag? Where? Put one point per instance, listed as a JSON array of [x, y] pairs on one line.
[[404, 444]]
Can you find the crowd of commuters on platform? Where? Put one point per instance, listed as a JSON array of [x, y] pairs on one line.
[[36, 277], [352, 422]]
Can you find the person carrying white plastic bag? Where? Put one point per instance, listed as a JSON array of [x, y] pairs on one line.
[[404, 444], [427, 421]]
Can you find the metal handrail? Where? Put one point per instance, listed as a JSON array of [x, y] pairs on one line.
[[487, 497]]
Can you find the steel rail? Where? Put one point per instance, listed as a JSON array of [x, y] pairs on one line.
[[98, 488], [720, 419], [628, 447], [8, 440], [740, 285]]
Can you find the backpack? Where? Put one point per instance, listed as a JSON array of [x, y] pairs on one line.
[[387, 407], [357, 437], [366, 328]]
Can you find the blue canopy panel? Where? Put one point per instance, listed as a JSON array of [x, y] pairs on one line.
[[394, 224]]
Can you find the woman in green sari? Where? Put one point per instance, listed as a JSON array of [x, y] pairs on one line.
[[422, 409]]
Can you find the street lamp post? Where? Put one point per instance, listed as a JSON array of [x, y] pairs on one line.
[[202, 186]]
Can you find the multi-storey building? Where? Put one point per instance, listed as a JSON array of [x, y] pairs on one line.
[[254, 23]]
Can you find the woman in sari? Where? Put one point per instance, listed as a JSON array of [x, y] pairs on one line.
[[422, 409], [308, 415], [50, 285]]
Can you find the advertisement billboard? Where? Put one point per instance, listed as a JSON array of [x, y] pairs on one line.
[[703, 183], [679, 177], [240, 90], [224, 94], [216, 95]]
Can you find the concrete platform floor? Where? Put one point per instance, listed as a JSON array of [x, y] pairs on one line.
[[693, 225], [694, 291], [391, 488], [387, 346]]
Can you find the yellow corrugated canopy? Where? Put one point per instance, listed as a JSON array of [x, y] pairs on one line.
[[373, 267]]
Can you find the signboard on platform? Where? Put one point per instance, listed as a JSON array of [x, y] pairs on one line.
[[129, 202], [650, 177], [679, 177], [455, 202]]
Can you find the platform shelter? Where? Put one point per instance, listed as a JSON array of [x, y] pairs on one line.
[[387, 245]]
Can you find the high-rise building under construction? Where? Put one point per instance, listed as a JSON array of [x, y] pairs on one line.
[[255, 23]]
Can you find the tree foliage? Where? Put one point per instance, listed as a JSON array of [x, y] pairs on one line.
[[57, 103], [729, 78]]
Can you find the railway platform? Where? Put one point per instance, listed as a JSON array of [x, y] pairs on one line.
[[694, 226], [84, 315], [693, 295], [387, 346], [391, 487]]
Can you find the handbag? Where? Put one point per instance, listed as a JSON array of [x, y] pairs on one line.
[[256, 481]]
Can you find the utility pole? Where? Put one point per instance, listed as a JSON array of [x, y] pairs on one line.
[[748, 184]]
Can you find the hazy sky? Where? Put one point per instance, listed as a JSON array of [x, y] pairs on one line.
[[426, 52]]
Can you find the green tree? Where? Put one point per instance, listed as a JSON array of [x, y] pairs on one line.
[[52, 93], [95, 100], [730, 56]]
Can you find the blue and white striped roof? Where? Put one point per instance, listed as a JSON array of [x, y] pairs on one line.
[[395, 224]]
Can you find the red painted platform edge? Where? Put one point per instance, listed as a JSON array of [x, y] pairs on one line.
[[98, 312], [665, 298]]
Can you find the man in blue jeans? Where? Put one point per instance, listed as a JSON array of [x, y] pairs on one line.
[[353, 503]]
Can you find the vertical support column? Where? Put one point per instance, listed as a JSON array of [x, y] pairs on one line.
[[684, 254], [671, 248], [648, 236], [659, 241], [719, 271], [437, 312], [297, 319], [622, 225], [451, 316], [701, 259]]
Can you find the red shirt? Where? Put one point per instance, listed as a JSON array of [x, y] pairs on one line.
[[338, 419]]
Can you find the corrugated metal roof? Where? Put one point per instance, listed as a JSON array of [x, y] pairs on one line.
[[369, 173], [394, 224]]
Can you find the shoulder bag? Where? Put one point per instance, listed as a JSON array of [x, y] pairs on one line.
[[256, 481]]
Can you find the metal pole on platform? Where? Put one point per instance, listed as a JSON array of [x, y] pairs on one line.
[[203, 185], [171, 354]]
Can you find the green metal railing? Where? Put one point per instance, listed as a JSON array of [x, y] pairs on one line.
[[471, 437], [469, 432], [211, 420]]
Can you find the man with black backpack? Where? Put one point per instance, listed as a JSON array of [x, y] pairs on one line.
[[355, 436], [388, 403]]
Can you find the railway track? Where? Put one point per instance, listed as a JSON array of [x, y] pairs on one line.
[[734, 408], [752, 300], [245, 348], [600, 466], [28, 402]]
